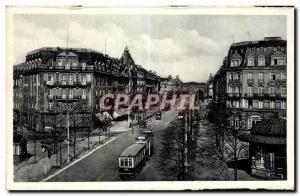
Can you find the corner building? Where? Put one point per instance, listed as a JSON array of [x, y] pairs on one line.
[[56, 79], [252, 79]]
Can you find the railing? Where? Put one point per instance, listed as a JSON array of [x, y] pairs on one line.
[[261, 81], [233, 94], [248, 95], [250, 80], [65, 83]]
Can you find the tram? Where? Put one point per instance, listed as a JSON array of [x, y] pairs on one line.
[[132, 160], [147, 139]]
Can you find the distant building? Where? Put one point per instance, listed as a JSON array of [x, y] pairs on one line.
[[170, 85], [210, 87], [56, 79], [252, 79]]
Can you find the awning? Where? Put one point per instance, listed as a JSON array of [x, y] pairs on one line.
[[120, 112], [104, 116]]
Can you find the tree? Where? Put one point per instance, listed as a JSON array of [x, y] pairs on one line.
[[174, 161], [227, 127]]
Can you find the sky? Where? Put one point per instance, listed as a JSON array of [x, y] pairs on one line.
[[192, 46]]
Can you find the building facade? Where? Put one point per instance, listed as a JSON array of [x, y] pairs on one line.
[[252, 79], [72, 79]]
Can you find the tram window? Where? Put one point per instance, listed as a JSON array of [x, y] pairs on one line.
[[129, 162], [122, 162]]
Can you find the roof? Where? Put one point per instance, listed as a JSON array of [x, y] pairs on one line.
[[67, 53], [268, 131], [270, 127], [132, 150], [260, 139]]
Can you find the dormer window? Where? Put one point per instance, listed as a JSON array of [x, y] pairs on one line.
[[250, 61], [235, 63], [59, 63], [278, 61], [261, 61]]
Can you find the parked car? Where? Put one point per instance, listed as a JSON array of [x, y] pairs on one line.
[[180, 115], [158, 115]]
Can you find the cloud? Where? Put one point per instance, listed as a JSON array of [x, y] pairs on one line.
[[188, 46]]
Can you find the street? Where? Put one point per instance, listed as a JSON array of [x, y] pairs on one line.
[[102, 165]]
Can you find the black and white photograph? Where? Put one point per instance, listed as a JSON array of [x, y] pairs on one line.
[[150, 98]]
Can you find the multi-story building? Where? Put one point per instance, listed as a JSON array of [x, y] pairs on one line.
[[210, 87], [252, 79], [56, 79]]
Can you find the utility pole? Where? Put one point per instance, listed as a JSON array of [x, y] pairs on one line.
[[185, 145], [68, 134]]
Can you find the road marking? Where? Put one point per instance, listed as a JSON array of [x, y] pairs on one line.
[[72, 163]]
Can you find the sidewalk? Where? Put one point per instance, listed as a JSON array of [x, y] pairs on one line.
[[121, 126], [30, 171]]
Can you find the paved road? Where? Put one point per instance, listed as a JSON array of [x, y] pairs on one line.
[[150, 171], [102, 165]]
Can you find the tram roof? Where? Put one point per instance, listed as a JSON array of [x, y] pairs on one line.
[[132, 150]]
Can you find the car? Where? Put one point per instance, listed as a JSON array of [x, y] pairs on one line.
[[158, 115], [180, 115]]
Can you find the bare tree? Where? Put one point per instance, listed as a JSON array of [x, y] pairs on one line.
[[227, 128], [175, 161]]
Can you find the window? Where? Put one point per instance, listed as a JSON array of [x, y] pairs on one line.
[[260, 90], [261, 76], [59, 63], [83, 65], [71, 78], [250, 90], [50, 106], [237, 89], [283, 91], [67, 65], [283, 76], [260, 160], [71, 92], [250, 62], [235, 63], [83, 79], [88, 77], [230, 76], [272, 104], [250, 76], [278, 61], [275, 49], [74, 64], [272, 90], [272, 76], [238, 76], [260, 104], [261, 61], [230, 89], [283, 105]]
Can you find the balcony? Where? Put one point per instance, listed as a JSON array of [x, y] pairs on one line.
[[281, 82], [50, 96], [248, 95], [250, 81], [67, 84], [234, 95], [235, 81], [67, 98], [49, 83], [261, 81]]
